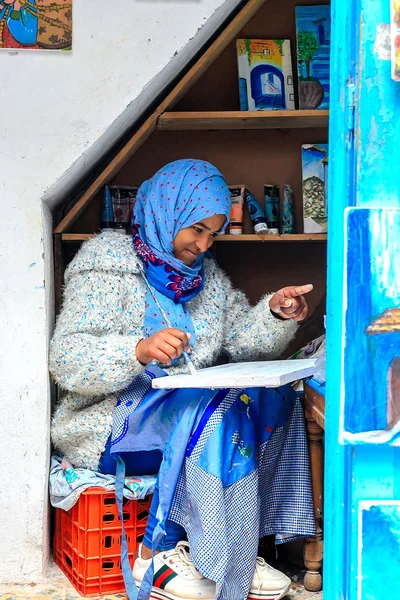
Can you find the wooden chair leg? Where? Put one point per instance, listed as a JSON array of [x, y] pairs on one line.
[[313, 547]]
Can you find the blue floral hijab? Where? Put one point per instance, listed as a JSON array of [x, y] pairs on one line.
[[181, 194]]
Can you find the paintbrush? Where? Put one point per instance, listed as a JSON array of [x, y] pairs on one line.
[[186, 356]]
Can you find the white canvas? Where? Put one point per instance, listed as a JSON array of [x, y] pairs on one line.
[[269, 374]]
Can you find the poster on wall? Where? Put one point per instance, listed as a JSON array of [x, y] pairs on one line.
[[371, 386], [36, 24]]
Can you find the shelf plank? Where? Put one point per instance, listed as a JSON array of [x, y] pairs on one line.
[[77, 237], [245, 237], [236, 119], [293, 237]]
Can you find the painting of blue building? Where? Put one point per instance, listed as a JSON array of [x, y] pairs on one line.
[[371, 395], [313, 33], [265, 74]]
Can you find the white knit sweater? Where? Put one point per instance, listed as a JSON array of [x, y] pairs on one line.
[[92, 353]]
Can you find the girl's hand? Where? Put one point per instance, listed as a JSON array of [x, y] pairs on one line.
[[289, 302], [164, 346]]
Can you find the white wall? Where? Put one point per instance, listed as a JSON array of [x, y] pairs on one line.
[[59, 111]]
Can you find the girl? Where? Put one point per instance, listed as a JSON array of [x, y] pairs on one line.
[[232, 464]]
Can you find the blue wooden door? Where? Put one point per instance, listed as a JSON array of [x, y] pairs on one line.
[[362, 486]]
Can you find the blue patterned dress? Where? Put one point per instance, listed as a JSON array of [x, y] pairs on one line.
[[235, 468]]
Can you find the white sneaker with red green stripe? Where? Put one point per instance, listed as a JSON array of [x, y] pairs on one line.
[[175, 576]]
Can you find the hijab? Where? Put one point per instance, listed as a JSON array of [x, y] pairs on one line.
[[179, 195]]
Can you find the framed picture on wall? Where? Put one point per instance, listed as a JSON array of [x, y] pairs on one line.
[[36, 24]]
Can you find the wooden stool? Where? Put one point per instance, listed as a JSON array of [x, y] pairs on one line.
[[314, 407]]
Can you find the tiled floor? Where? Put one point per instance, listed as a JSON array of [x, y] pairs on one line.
[[57, 587]]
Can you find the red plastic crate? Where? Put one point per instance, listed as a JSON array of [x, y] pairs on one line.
[[87, 540]]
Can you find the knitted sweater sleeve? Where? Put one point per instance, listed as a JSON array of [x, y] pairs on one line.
[[88, 355], [253, 333]]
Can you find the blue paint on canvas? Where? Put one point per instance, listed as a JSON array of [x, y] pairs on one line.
[[379, 565], [373, 287], [312, 161], [313, 25]]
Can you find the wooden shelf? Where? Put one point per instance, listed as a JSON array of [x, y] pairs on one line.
[[237, 119], [294, 237], [77, 237], [245, 237]]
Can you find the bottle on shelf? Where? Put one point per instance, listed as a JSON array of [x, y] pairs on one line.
[[120, 203], [107, 219], [271, 198], [288, 224], [236, 216], [257, 214]]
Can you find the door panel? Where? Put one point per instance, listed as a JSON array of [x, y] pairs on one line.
[[371, 342], [378, 546]]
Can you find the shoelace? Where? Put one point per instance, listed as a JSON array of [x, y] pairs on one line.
[[260, 562], [261, 565], [183, 560]]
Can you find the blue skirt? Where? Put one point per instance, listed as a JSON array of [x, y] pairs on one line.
[[235, 468]]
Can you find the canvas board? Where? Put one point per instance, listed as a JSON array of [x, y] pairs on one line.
[[315, 186], [269, 374], [265, 74], [313, 36]]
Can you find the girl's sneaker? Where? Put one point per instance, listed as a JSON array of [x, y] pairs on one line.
[[268, 583], [175, 576]]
